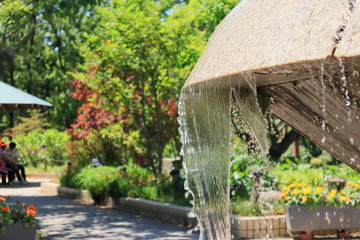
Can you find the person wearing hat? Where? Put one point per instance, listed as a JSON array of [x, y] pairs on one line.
[[12, 155]]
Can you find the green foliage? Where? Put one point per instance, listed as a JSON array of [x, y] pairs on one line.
[[126, 181], [299, 173], [313, 150], [317, 162], [292, 172], [38, 49], [243, 165], [35, 122], [94, 179], [244, 207], [47, 145], [136, 73]]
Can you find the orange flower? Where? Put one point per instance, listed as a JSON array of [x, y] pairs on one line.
[[24, 205], [2, 199], [31, 212], [345, 199], [5, 209], [32, 207], [283, 195], [9, 196]]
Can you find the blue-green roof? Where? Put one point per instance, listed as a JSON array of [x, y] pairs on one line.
[[11, 97]]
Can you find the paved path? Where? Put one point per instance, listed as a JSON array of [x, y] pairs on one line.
[[61, 219]]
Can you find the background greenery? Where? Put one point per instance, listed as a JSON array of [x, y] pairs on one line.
[[114, 71]]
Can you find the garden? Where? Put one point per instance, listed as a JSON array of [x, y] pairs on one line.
[[304, 180], [115, 91]]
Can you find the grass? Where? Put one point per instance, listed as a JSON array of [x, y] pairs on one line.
[[41, 169]]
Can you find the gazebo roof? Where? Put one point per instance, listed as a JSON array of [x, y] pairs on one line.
[[11, 97]]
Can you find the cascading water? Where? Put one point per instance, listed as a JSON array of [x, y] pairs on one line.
[[204, 117], [205, 135]]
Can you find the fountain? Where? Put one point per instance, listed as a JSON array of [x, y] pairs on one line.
[[302, 58]]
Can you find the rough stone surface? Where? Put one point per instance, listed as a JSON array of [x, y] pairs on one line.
[[263, 34], [349, 45]]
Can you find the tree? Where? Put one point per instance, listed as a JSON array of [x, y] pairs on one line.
[[136, 61], [37, 48]]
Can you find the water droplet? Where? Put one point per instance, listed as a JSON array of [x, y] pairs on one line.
[[191, 214]]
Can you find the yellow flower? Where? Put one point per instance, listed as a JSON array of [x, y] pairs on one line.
[[307, 191], [345, 199], [333, 192], [291, 186], [319, 190], [343, 192], [329, 197], [304, 198], [296, 191]]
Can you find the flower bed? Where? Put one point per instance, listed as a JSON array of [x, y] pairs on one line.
[[313, 196], [316, 208], [12, 213]]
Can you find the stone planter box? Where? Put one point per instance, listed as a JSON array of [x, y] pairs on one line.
[[17, 231], [300, 219]]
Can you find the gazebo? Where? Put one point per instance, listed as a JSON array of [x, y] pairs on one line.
[[13, 98]]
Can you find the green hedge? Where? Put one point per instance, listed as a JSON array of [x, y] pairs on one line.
[[124, 181]]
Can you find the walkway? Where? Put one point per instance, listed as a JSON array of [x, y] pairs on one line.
[[61, 219]]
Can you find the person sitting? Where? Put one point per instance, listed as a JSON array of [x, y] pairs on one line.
[[12, 155], [4, 170]]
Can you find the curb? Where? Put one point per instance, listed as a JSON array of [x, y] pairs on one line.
[[167, 212], [241, 227]]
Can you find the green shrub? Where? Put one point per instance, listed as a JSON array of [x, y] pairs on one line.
[[317, 162], [306, 173], [126, 181], [95, 180], [36, 147], [243, 165]]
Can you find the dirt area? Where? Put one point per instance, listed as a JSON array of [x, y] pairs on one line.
[[51, 177]]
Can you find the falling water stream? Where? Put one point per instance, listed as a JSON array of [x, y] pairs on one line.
[[204, 117]]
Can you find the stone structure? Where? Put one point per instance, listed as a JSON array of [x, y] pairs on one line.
[[304, 57]]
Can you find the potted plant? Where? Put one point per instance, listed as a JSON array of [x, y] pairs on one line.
[[315, 208], [17, 220]]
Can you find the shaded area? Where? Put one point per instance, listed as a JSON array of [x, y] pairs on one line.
[[65, 219]]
